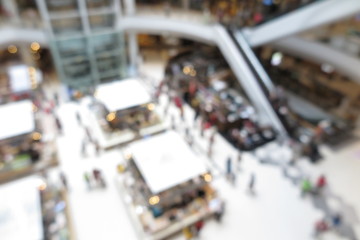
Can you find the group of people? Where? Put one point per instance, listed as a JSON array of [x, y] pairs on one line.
[[325, 224], [94, 179], [308, 187], [194, 230]]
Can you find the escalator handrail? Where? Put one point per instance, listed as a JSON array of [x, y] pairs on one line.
[[253, 62]]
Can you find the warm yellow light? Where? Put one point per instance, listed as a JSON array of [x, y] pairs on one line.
[[120, 168], [35, 46], [32, 70], [42, 186], [111, 116], [34, 108], [128, 156], [207, 177], [12, 49], [186, 70], [193, 73], [151, 106], [36, 136], [154, 200]]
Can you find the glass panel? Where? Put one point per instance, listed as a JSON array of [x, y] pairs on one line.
[[77, 69], [72, 47], [106, 42], [61, 5], [67, 26], [100, 22], [99, 3]]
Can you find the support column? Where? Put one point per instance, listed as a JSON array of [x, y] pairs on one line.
[[185, 4], [90, 49], [11, 8], [130, 7], [133, 53]]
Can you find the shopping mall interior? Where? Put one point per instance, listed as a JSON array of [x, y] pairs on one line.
[[261, 97]]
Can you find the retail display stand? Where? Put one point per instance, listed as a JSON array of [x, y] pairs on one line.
[[121, 111], [24, 147], [166, 186]]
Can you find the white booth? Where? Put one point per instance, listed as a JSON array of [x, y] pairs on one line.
[[166, 186], [16, 119], [21, 216], [123, 111]]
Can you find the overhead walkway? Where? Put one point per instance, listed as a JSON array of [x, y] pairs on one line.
[[313, 15], [10, 35], [321, 53], [216, 35]]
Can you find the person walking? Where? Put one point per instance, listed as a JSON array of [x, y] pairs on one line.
[[321, 226], [198, 226], [173, 124], [64, 181], [88, 134], [219, 211], [97, 148], [306, 187], [238, 160], [84, 147], [87, 180], [58, 125], [252, 182], [78, 118], [336, 220], [187, 233], [321, 182], [56, 99], [211, 144], [228, 166]]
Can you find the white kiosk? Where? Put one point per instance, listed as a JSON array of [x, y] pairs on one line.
[[22, 143], [166, 186], [123, 111], [16, 119], [21, 216]]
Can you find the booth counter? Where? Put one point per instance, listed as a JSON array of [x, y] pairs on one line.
[[166, 186]]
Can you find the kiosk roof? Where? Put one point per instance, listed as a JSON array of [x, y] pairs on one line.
[[21, 216], [122, 94], [166, 160], [16, 119]]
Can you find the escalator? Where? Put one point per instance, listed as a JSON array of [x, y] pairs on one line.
[[216, 35], [301, 117], [304, 18], [248, 77], [267, 87]]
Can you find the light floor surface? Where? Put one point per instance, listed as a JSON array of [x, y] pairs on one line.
[[276, 210]]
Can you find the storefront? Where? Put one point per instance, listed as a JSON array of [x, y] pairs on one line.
[[166, 186], [123, 111]]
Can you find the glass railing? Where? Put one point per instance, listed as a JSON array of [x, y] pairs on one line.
[[343, 35], [175, 13], [232, 13], [22, 22]]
